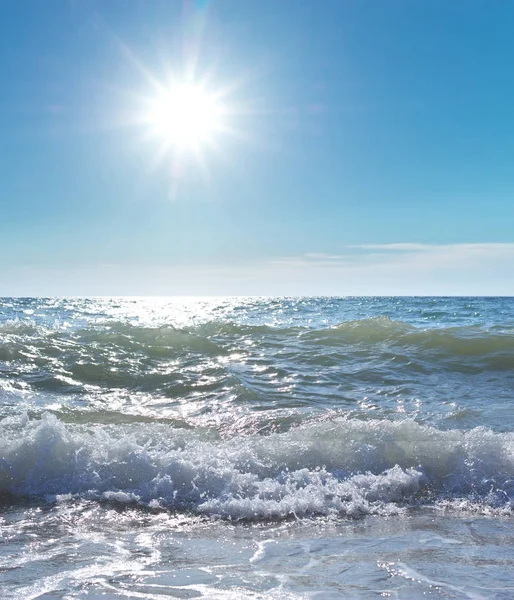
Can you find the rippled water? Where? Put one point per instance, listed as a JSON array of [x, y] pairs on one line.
[[257, 448]]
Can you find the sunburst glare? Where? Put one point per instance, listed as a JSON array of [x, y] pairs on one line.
[[186, 116]]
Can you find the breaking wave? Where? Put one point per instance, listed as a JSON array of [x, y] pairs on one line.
[[346, 467]]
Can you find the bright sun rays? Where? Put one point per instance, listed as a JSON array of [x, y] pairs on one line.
[[187, 117], [187, 125], [188, 120]]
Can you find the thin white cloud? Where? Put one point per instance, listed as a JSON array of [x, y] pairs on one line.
[[371, 269], [407, 269], [492, 248], [405, 247]]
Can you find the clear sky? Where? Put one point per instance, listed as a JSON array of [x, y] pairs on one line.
[[327, 147]]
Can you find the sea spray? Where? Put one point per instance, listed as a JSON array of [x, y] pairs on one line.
[[348, 467]]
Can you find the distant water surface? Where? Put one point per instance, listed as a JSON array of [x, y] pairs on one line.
[[256, 448]]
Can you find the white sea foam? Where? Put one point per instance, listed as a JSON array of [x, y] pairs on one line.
[[346, 467]]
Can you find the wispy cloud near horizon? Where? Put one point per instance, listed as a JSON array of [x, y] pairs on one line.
[[364, 253], [356, 270], [410, 269]]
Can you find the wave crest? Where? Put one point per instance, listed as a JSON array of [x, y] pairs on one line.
[[346, 467]]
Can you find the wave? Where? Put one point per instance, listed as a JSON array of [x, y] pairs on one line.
[[114, 355], [169, 361], [470, 340], [460, 341], [346, 467], [119, 335]]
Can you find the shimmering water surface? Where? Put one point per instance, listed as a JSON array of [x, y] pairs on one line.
[[257, 448]]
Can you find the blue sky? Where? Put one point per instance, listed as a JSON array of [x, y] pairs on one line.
[[369, 152]]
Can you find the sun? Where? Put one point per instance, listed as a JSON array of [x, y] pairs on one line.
[[186, 116]]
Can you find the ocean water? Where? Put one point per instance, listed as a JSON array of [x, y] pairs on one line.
[[257, 448]]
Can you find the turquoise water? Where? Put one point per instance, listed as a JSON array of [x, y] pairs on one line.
[[257, 448]]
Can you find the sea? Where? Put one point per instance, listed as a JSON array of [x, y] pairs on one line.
[[256, 447]]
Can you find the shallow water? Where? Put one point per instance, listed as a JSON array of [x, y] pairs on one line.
[[257, 448]]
